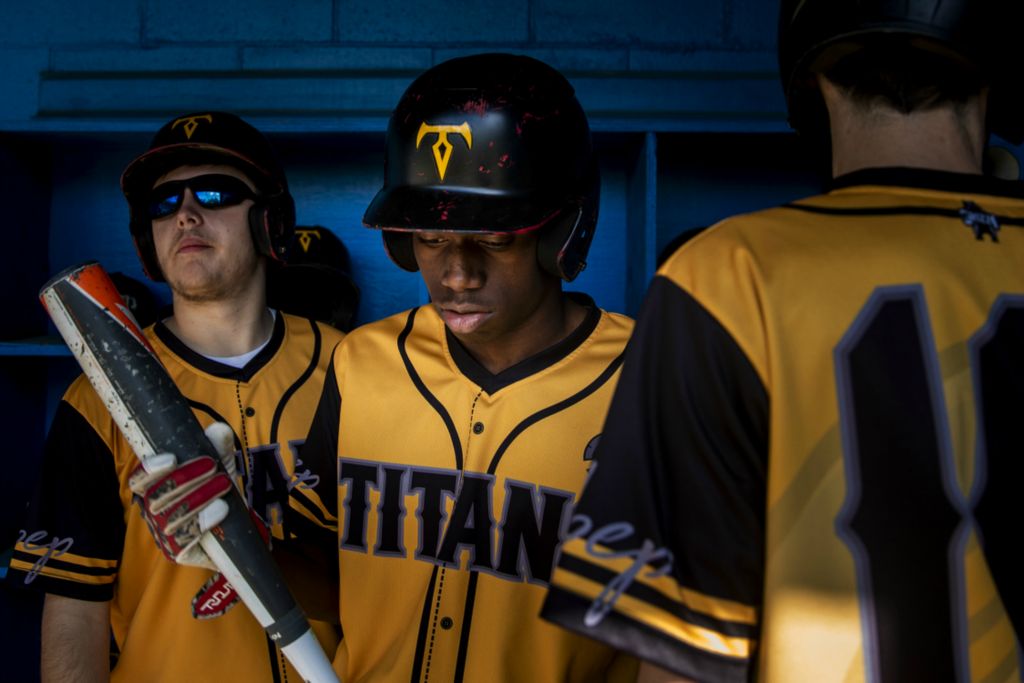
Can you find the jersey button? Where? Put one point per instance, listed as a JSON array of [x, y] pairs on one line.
[[250, 411], [478, 427], [448, 622]]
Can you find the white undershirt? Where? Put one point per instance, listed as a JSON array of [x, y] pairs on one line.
[[240, 360]]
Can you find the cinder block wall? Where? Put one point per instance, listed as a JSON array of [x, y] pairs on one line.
[[65, 59]]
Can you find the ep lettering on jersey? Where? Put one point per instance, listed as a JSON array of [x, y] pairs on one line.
[[599, 541], [40, 540], [457, 523]]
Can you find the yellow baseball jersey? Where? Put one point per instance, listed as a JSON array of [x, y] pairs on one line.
[[86, 540], [806, 471], [453, 486]]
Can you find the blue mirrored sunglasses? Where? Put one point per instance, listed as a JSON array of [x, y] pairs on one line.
[[212, 191]]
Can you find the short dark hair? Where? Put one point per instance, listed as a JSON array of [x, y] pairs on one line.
[[904, 77]]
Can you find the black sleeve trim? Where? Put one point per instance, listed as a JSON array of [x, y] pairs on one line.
[[69, 589], [650, 596], [568, 610]]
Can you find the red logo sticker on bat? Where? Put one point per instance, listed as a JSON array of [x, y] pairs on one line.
[[93, 282]]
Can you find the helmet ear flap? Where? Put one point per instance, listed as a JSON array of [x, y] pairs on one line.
[[259, 226], [562, 247], [272, 223], [398, 246], [142, 235]]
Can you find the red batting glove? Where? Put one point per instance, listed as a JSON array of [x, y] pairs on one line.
[[180, 503]]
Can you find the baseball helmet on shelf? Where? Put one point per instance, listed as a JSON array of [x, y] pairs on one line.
[[490, 143], [211, 138], [970, 35], [316, 282]]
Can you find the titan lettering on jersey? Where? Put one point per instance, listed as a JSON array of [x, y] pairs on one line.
[[268, 484], [455, 517]]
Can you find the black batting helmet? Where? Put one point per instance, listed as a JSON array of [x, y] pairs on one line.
[[316, 282], [975, 35], [490, 143], [211, 138]]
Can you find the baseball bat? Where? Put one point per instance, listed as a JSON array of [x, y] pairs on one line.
[[155, 418]]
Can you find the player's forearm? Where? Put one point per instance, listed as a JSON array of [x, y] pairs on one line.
[[75, 641], [651, 674]]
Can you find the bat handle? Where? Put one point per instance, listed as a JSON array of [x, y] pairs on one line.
[[292, 631], [307, 656]]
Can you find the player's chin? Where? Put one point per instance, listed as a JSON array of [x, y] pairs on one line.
[[199, 287]]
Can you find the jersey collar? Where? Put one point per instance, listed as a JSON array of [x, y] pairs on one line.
[[492, 383], [212, 367], [929, 179]]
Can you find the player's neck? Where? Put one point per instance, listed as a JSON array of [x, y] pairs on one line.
[[946, 138], [224, 327], [552, 322]]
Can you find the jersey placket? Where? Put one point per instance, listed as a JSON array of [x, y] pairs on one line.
[[452, 614]]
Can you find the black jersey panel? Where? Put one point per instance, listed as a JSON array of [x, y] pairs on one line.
[[319, 453], [691, 416], [76, 508]]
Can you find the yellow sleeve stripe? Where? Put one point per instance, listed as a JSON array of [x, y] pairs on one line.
[[52, 572], [658, 619], [719, 608], [70, 558]]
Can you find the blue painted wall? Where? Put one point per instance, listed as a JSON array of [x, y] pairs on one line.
[[88, 83]]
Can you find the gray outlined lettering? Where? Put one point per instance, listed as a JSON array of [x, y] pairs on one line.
[[55, 548], [644, 556]]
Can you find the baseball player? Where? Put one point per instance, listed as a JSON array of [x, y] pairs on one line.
[[458, 434], [808, 467], [210, 211]]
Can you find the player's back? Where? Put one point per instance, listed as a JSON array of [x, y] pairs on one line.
[[886, 324]]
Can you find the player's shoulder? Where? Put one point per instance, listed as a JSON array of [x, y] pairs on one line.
[[725, 237], [614, 325], [306, 338], [80, 394], [385, 332], [297, 325], [83, 399]]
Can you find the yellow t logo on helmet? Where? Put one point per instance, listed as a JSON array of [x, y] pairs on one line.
[[442, 148]]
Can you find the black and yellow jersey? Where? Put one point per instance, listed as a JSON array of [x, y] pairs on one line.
[[807, 469], [452, 488], [85, 539]]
